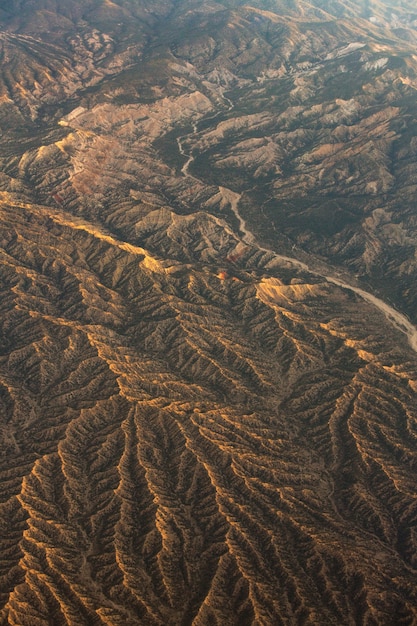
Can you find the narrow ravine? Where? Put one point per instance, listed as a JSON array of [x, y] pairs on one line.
[[396, 319]]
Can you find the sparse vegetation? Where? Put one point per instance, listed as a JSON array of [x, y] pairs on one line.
[[195, 430]]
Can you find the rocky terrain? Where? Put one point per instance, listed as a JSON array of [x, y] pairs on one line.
[[208, 368]]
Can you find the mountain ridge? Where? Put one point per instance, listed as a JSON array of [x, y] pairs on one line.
[[197, 428]]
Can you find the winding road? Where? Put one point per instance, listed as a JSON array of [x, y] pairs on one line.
[[397, 320]]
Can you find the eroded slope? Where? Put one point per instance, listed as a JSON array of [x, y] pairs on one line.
[[184, 447], [195, 430]]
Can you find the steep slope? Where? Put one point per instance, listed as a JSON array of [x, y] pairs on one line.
[[168, 429], [196, 428]]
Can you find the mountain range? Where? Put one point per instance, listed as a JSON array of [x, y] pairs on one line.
[[208, 368]]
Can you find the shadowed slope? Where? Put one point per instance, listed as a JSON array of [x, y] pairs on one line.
[[194, 429], [175, 430]]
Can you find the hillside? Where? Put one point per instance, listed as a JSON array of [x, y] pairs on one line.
[[208, 367]]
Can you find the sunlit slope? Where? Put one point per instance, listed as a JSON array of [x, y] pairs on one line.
[[180, 447], [320, 138], [195, 430]]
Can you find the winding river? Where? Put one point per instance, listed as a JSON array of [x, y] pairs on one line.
[[396, 319]]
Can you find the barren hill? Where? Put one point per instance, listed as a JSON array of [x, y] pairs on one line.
[[208, 368]]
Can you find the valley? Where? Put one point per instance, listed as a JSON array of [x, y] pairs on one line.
[[208, 368]]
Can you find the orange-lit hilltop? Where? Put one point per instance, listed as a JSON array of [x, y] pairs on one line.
[[208, 366]]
